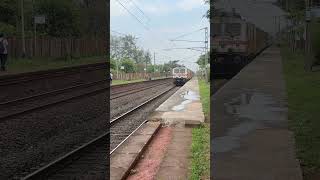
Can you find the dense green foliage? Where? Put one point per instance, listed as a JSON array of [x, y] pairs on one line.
[[64, 18]]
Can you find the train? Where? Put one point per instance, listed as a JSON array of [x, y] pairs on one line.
[[181, 75], [234, 43]]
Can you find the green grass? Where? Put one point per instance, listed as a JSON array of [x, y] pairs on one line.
[[200, 149], [36, 64], [303, 90]]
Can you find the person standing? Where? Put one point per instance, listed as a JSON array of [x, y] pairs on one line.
[[111, 77], [3, 51]]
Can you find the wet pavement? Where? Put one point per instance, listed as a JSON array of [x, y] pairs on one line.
[[249, 129], [182, 108]]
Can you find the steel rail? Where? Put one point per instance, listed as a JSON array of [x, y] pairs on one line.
[[116, 119], [31, 76], [91, 93], [55, 92], [124, 93], [68, 158]]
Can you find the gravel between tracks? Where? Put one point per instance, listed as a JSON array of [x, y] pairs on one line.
[[122, 129], [123, 104], [30, 141]]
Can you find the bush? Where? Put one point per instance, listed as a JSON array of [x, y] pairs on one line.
[[7, 29]]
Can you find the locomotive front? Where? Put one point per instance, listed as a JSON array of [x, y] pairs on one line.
[[180, 75]]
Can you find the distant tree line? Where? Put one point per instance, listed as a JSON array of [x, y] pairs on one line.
[[64, 18], [125, 52]]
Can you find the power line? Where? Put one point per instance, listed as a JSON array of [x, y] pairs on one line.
[[140, 9], [118, 33], [188, 40], [133, 15], [187, 34]]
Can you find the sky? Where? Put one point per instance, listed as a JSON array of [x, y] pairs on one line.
[[158, 22]]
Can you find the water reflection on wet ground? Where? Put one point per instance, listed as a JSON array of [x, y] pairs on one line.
[[251, 111], [188, 97]]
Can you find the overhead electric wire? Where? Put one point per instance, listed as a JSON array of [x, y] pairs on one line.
[[187, 34], [140, 9], [147, 28], [118, 32], [188, 40]]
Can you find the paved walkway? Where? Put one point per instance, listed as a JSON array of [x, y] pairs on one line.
[[180, 112], [176, 162], [251, 140], [183, 107]]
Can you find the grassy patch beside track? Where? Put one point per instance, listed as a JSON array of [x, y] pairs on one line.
[[36, 64], [200, 163], [303, 90]]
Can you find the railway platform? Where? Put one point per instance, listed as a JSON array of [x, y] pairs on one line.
[[250, 135], [183, 108]]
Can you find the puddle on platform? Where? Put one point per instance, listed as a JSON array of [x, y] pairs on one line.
[[189, 96], [252, 111]]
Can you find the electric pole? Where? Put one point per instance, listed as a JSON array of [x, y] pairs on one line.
[[22, 30], [154, 63], [308, 58], [206, 57]]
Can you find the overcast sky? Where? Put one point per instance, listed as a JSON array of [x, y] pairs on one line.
[[162, 20]]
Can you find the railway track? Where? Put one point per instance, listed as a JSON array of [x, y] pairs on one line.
[[122, 127], [89, 161], [6, 80], [22, 85], [12, 109], [21, 106]]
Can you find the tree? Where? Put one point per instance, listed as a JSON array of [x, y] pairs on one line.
[[8, 12], [129, 66], [113, 64], [63, 17], [147, 57]]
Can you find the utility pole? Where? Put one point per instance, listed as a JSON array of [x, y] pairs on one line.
[[35, 29], [22, 30], [308, 58], [154, 63], [117, 59], [206, 57]]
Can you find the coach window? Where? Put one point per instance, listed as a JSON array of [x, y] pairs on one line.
[[176, 71], [182, 70]]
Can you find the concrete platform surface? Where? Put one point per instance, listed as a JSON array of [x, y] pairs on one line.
[[126, 156], [183, 107], [176, 162], [249, 128]]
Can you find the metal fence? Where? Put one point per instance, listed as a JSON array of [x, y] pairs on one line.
[[57, 47]]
